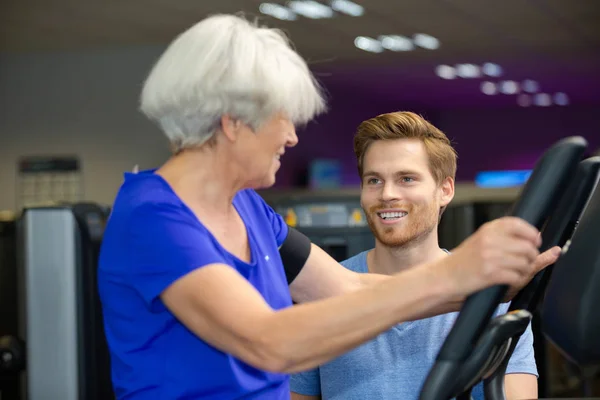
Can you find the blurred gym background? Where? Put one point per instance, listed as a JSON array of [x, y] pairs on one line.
[[503, 79]]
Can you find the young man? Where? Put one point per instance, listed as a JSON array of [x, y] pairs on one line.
[[407, 168]]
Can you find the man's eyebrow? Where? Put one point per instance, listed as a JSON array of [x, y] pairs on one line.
[[406, 172], [370, 173], [397, 173]]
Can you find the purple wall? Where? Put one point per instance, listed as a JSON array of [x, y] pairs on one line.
[[330, 135], [486, 139], [514, 138]]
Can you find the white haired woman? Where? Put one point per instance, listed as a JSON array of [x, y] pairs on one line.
[[197, 273]]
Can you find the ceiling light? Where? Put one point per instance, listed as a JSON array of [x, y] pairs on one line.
[[530, 86], [491, 69], [310, 9], [509, 87], [445, 72], [561, 99], [489, 88], [542, 100], [347, 7], [426, 41], [368, 44], [524, 100], [396, 43], [277, 11], [467, 70]]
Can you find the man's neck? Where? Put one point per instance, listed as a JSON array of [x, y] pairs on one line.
[[391, 260]]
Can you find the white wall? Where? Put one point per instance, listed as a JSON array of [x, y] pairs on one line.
[[82, 104]]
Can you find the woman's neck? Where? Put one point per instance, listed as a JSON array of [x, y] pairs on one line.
[[203, 177]]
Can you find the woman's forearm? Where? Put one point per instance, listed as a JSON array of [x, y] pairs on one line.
[[452, 305]]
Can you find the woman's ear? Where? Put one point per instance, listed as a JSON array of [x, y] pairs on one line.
[[230, 127]]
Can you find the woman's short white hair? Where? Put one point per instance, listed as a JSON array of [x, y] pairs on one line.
[[227, 65]]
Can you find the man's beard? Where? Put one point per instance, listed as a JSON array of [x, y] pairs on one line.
[[412, 229]]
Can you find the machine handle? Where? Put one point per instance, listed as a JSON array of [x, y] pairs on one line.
[[560, 228], [491, 348], [539, 197]]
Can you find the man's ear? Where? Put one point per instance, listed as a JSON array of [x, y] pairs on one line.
[[446, 191], [230, 127]]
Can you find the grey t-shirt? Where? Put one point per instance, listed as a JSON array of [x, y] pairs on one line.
[[395, 364]]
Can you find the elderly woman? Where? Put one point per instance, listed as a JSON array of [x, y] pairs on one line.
[[197, 273]]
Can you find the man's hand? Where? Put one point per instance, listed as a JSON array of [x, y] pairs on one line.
[[502, 251]]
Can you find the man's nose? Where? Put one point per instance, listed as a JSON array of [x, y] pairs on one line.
[[389, 192]]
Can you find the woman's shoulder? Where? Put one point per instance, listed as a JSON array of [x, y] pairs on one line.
[[145, 192], [249, 198]]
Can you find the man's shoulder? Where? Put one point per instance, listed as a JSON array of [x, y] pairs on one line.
[[357, 263]]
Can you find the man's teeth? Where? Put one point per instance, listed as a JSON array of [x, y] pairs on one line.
[[392, 215], [278, 156]]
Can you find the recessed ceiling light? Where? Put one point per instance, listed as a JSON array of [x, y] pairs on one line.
[[491, 69], [561, 99], [445, 72], [310, 9], [542, 100], [530, 86], [277, 11], [348, 7], [524, 100], [396, 43], [426, 41], [509, 87], [368, 44], [489, 88], [468, 71]]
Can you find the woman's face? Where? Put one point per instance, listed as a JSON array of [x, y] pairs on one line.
[[262, 149]]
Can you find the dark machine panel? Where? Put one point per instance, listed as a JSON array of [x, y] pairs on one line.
[[335, 223], [459, 221], [10, 348]]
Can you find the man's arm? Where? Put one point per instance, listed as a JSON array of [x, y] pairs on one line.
[[520, 386]]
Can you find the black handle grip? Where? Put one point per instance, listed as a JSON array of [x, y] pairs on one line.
[[539, 197], [490, 349]]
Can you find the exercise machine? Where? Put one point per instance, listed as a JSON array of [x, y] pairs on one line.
[[571, 291], [475, 346], [61, 330], [12, 353], [333, 220]]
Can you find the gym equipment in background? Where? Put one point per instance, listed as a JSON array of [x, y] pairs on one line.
[[62, 328]]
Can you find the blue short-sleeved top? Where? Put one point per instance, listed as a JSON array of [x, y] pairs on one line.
[[152, 239]]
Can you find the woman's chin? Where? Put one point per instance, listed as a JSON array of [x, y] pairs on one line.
[[268, 181]]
